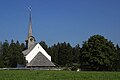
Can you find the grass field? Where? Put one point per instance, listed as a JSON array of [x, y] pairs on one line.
[[56, 75]]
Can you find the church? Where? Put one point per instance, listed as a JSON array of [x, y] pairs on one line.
[[34, 54]]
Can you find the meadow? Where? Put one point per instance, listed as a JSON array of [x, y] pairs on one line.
[[57, 75]]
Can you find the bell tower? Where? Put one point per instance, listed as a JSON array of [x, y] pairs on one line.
[[30, 38]]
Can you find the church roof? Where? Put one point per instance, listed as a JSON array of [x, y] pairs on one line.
[[40, 61]]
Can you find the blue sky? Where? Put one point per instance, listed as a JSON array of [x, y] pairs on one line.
[[72, 21]]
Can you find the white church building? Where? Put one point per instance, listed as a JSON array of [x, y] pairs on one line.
[[34, 54]]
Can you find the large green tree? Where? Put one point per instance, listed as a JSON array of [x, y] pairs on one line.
[[98, 53]]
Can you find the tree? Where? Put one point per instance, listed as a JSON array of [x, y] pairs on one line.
[[5, 48], [1, 56], [76, 54], [12, 54], [23, 47], [44, 45], [1, 48], [64, 54], [117, 58], [97, 54], [53, 50], [20, 57]]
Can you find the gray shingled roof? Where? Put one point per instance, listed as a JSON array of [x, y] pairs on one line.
[[27, 51], [40, 61]]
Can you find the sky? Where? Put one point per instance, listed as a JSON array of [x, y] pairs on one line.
[[54, 21]]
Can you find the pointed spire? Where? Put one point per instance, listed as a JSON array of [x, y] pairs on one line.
[[30, 38], [30, 23]]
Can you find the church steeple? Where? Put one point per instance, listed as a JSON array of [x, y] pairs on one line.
[[30, 39], [30, 23]]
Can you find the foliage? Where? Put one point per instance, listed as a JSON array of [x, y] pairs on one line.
[[44, 45], [74, 68], [56, 75], [117, 57], [76, 53], [98, 54], [62, 54], [11, 54]]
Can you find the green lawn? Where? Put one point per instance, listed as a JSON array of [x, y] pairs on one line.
[[56, 75]]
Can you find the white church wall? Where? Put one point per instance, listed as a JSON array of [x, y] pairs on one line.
[[32, 54], [44, 52], [34, 51]]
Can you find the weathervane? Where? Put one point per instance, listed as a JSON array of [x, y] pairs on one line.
[[30, 8]]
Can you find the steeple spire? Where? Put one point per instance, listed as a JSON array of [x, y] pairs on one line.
[[30, 39], [30, 23]]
